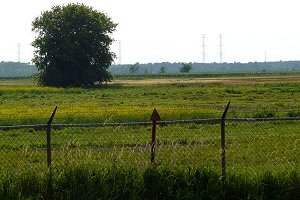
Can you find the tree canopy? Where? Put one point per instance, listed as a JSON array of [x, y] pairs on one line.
[[72, 47], [186, 67]]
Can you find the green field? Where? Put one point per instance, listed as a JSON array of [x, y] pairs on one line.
[[22, 102], [252, 148], [121, 100]]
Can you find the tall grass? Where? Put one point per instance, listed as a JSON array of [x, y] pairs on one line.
[[154, 182], [250, 147], [127, 174]]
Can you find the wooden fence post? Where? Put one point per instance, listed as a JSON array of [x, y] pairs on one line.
[[223, 154], [48, 132], [154, 118]]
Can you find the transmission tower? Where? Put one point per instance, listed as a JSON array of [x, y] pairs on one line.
[[221, 49], [120, 53], [203, 48], [265, 55], [19, 52]]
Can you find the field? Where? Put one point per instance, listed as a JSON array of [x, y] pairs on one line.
[[123, 100], [252, 148]]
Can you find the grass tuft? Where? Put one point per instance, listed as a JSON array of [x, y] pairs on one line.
[[154, 182]]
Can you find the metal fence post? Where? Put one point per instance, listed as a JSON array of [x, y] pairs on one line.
[[48, 132], [154, 118], [223, 154]]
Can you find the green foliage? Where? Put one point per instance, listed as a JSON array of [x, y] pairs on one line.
[[232, 91], [162, 70], [264, 114], [16, 69], [250, 67], [72, 46], [78, 182], [186, 67], [133, 69], [293, 113]]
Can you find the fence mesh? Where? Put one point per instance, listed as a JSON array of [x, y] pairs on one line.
[[23, 149], [101, 146], [252, 146], [189, 145]]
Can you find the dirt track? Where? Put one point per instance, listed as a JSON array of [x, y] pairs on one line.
[[221, 80]]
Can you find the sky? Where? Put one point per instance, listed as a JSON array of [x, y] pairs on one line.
[[151, 31]]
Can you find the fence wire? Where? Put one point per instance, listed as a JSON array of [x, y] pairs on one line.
[[252, 145], [257, 146], [23, 149], [104, 112]]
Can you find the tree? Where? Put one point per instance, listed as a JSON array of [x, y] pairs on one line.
[[145, 70], [186, 67], [162, 70], [72, 48], [133, 69]]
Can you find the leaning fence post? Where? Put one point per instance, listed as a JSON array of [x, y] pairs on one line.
[[223, 155], [154, 118], [48, 132]]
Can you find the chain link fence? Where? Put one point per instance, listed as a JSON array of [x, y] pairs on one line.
[[259, 145], [253, 145]]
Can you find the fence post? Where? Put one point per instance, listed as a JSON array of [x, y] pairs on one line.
[[223, 155], [48, 132], [154, 118]]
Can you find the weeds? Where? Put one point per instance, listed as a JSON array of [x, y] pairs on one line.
[[154, 182], [113, 163]]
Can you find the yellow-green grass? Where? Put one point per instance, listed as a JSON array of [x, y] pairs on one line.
[[123, 102]]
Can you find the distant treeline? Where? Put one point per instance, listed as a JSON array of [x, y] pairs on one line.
[[166, 67], [17, 69]]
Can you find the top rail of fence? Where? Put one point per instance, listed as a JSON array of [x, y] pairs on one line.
[[262, 119], [198, 121]]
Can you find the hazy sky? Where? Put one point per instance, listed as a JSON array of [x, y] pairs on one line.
[[171, 30]]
